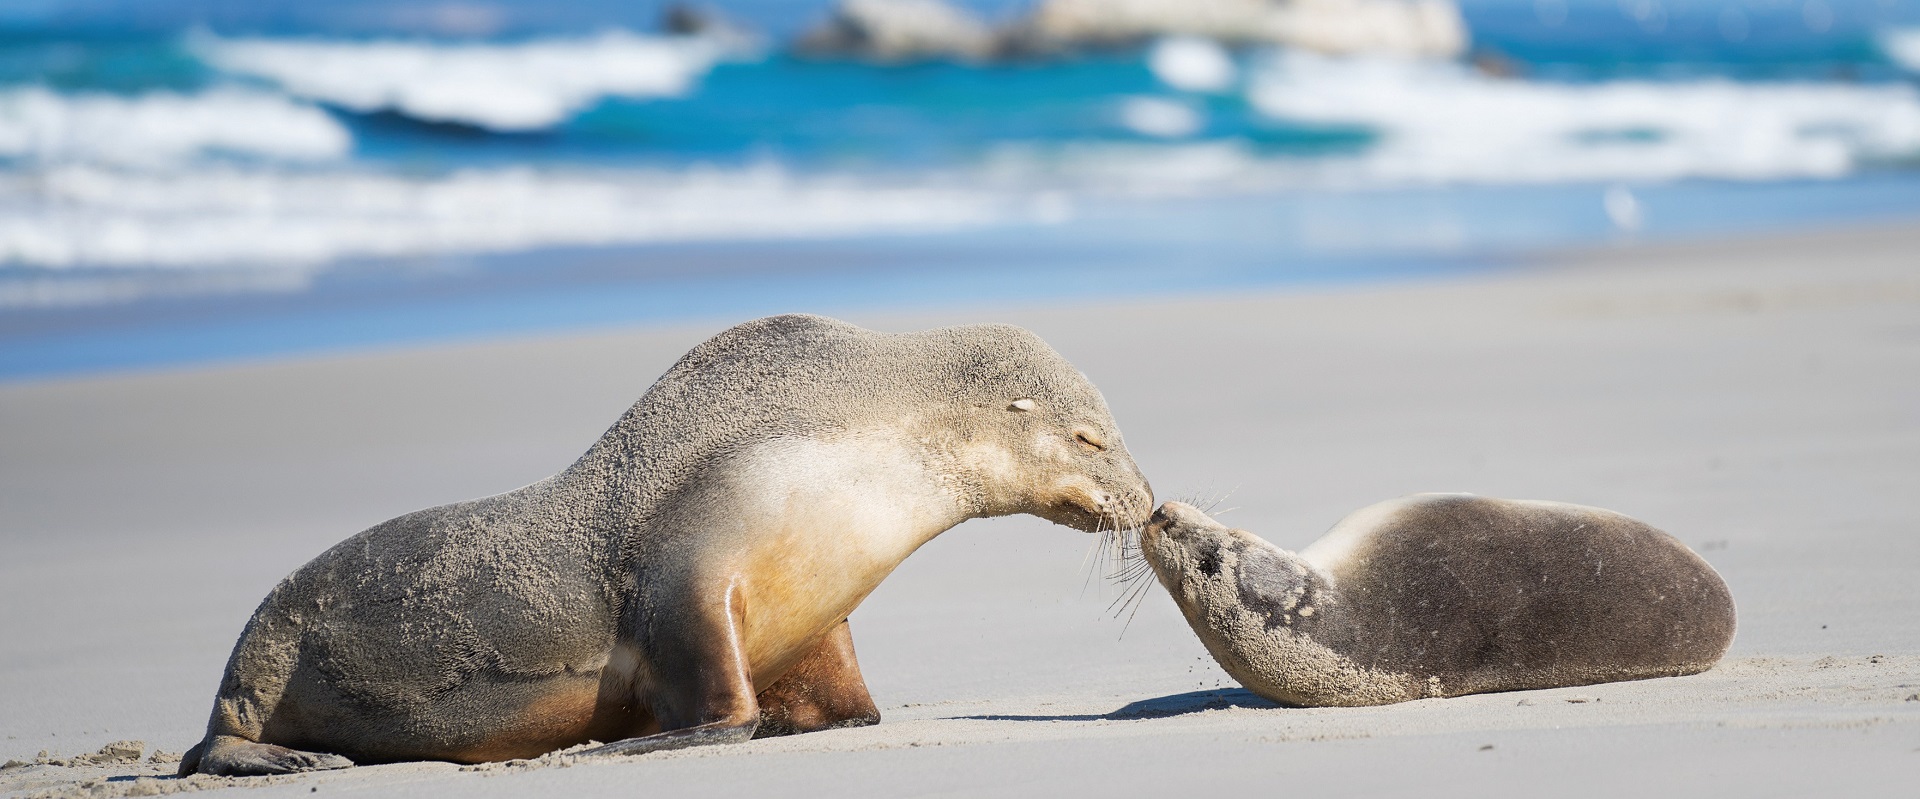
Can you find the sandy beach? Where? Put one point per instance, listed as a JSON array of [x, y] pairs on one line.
[[1759, 399]]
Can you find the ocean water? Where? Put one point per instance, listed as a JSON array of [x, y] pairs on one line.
[[197, 162]]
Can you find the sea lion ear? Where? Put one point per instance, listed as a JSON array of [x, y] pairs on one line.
[[1023, 404]]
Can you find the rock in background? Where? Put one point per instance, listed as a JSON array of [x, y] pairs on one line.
[[899, 30], [1409, 28], [917, 30]]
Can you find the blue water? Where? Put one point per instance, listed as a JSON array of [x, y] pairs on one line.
[[191, 180], [815, 114]]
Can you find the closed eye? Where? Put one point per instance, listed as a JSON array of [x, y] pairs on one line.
[[1090, 442]]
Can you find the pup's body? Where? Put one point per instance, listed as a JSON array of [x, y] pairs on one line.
[[1442, 595]]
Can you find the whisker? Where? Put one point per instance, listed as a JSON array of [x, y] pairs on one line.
[[1217, 499], [1118, 557], [1136, 598], [1096, 558], [1140, 598]]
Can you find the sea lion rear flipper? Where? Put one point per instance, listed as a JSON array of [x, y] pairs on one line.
[[228, 756]]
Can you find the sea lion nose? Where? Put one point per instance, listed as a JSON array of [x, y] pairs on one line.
[[1166, 515], [1174, 510]]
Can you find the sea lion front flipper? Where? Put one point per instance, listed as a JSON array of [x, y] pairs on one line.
[[824, 691], [703, 689], [230, 756], [719, 732]]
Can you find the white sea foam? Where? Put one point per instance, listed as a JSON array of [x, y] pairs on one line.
[[164, 127], [1903, 46], [1192, 64], [1444, 122], [1139, 170], [504, 87], [228, 215], [1160, 117]]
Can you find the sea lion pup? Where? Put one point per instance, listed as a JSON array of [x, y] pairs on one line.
[[688, 580], [1438, 595]]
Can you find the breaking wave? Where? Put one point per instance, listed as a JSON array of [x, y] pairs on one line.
[[38, 125], [1902, 46], [505, 87], [228, 215], [1444, 122]]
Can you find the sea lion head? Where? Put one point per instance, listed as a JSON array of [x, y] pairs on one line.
[[1040, 438], [1184, 544], [1269, 617], [1204, 562]]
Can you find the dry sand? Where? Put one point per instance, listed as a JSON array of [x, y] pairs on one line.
[[1760, 400]]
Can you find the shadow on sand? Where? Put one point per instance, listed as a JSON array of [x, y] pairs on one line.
[[1157, 707]]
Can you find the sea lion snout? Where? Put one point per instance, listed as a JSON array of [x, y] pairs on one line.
[[1092, 507], [1123, 497], [1092, 487], [1173, 512], [1131, 506], [1182, 542], [1179, 522]]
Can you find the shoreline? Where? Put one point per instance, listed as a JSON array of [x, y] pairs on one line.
[[1119, 252]]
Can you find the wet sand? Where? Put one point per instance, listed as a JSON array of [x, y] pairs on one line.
[[1759, 399]]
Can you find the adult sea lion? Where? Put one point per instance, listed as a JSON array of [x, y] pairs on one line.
[[1438, 595], [688, 580]]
